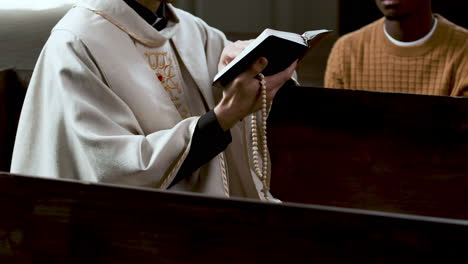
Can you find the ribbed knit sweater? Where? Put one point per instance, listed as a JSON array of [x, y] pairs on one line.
[[367, 60]]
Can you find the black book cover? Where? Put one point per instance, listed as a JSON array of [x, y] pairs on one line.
[[280, 53]]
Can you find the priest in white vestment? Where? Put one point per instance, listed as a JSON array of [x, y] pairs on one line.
[[123, 94]]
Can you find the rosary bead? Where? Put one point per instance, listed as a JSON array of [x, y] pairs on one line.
[[262, 173]]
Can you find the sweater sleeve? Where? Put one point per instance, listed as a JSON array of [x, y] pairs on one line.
[[334, 72], [461, 79]]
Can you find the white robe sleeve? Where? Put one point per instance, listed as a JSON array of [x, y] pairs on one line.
[[73, 125]]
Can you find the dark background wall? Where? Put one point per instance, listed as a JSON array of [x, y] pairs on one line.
[[23, 32], [352, 15]]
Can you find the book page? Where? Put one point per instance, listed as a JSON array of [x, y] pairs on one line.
[[286, 35], [309, 35]]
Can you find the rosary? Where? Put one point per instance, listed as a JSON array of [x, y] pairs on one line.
[[262, 173]]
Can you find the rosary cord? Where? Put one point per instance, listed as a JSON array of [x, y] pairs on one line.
[[262, 173]]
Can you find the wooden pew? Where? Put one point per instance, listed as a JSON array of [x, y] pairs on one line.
[[369, 150], [57, 221]]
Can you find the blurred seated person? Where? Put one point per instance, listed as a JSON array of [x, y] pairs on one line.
[[410, 50]]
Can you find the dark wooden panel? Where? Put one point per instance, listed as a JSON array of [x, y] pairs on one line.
[[12, 92], [369, 150], [48, 221]]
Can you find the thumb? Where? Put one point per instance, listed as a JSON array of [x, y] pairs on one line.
[[257, 67]]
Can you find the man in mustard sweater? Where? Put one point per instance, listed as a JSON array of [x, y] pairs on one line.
[[410, 50]]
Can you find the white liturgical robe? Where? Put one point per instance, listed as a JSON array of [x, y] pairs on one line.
[[96, 111]]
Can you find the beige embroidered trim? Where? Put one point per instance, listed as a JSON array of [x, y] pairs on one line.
[[135, 36], [164, 68], [224, 176], [176, 168]]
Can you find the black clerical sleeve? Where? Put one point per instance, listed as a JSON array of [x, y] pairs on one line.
[[208, 140]]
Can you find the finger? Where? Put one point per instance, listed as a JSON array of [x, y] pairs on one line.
[[225, 61], [288, 72], [231, 51], [236, 48], [257, 67], [277, 81], [283, 76]]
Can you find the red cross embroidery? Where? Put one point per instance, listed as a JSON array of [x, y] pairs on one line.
[[160, 77]]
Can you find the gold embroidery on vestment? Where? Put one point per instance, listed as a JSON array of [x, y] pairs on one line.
[[163, 65]]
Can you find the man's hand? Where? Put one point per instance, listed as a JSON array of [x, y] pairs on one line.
[[241, 97], [230, 52]]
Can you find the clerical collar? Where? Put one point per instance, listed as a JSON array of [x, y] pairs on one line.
[[158, 19]]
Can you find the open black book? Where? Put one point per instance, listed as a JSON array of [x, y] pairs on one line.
[[279, 47]]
